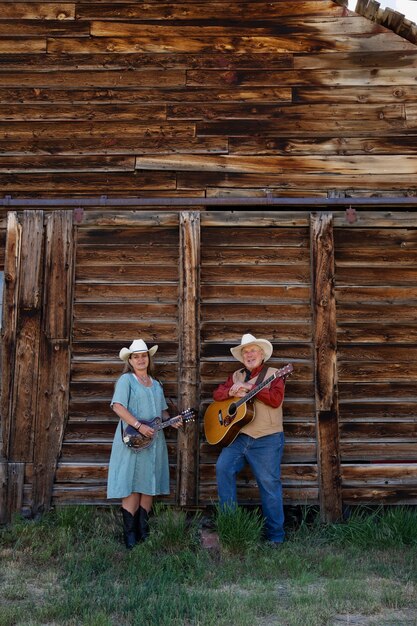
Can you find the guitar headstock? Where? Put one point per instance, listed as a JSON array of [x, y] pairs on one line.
[[188, 415], [286, 371]]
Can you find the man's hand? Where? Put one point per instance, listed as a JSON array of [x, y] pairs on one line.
[[238, 390]]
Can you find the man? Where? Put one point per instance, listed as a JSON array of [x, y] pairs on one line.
[[260, 443]]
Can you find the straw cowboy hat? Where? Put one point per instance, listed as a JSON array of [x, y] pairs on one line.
[[250, 340], [137, 346]]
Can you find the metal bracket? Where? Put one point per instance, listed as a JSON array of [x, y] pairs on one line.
[[351, 215]]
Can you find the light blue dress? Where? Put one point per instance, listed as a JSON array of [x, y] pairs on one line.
[[146, 471]]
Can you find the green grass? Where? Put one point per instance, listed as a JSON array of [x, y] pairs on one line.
[[71, 568]]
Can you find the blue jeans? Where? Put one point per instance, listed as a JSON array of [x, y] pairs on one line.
[[264, 457]]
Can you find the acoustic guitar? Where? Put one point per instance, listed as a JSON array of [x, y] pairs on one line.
[[223, 420], [137, 442]]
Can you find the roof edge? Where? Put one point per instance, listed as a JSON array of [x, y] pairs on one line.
[[393, 20]]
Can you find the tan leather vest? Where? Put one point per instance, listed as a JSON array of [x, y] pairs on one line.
[[267, 420]]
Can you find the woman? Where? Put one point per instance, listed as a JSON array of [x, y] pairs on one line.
[[136, 477]]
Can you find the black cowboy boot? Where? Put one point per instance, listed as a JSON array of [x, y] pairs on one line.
[[138, 530], [129, 529], [143, 523]]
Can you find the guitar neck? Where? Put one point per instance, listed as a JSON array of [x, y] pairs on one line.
[[278, 374], [169, 422]]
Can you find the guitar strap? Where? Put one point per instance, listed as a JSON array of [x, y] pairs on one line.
[[261, 375]]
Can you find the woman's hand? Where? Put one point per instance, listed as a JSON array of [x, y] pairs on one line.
[[145, 430], [178, 423]]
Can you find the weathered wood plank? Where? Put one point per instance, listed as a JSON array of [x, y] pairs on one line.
[[282, 293], [93, 234], [372, 276], [285, 182], [325, 365], [53, 413], [401, 144], [65, 95], [305, 127], [379, 237], [128, 273], [96, 371], [260, 312], [371, 430], [11, 489], [216, 234], [378, 451], [116, 255], [95, 79], [389, 373], [381, 408], [258, 275], [278, 331], [246, 256], [37, 10], [376, 333], [391, 356], [126, 183], [223, 111], [22, 46], [43, 28], [4, 480], [294, 475], [294, 452], [381, 59], [380, 495], [105, 350], [126, 311], [49, 163], [379, 474], [387, 257], [189, 315], [111, 292], [59, 271], [205, 11], [10, 316], [358, 94], [157, 42], [250, 495], [24, 396], [130, 144], [122, 331]]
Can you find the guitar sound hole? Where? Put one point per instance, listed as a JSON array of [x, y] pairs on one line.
[[232, 410]]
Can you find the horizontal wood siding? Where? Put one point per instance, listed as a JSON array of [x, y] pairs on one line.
[[204, 99], [377, 355], [257, 280], [126, 286]]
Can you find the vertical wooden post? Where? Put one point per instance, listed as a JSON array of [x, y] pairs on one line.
[[188, 391], [54, 371], [9, 326], [24, 396], [325, 342], [8, 345], [20, 357]]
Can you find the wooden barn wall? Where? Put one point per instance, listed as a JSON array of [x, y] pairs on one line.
[[203, 99], [335, 293]]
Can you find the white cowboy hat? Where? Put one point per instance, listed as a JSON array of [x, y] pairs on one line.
[[137, 346], [249, 340]]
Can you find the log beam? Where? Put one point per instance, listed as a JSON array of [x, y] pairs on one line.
[[188, 391], [325, 380]]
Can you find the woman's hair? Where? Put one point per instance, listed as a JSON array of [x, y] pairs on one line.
[[150, 369]]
